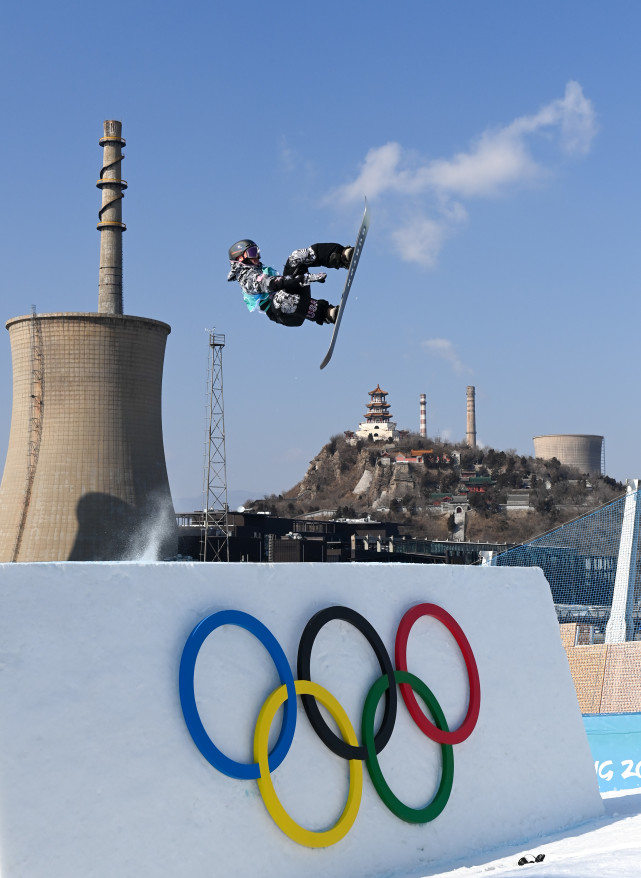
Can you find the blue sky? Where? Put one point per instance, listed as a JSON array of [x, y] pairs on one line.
[[497, 143]]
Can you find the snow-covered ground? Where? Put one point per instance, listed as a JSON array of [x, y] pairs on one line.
[[609, 846], [94, 745]]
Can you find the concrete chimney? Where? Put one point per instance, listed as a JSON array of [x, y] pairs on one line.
[[423, 430], [111, 225], [471, 418]]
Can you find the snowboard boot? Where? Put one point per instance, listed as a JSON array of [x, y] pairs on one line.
[[332, 314], [346, 257]]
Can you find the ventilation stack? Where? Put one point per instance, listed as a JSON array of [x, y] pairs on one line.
[[423, 414], [85, 476], [471, 418]]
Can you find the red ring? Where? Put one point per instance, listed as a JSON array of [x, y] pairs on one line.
[[400, 654]]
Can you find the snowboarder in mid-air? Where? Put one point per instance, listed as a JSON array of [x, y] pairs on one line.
[[286, 297]]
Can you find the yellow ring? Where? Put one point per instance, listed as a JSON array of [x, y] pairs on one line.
[[280, 816]]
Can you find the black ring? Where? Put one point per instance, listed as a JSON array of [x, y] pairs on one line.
[[303, 666]]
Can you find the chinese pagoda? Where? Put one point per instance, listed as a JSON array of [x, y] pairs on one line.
[[378, 423]]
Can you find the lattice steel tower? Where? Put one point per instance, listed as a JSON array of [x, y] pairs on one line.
[[215, 536]]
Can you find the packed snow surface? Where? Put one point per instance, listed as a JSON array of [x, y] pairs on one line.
[[100, 775], [607, 846]]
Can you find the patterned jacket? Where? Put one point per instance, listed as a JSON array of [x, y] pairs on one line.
[[260, 282]]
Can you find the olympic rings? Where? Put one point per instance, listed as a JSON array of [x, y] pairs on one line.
[[238, 770], [327, 736], [346, 746], [282, 819], [467, 726], [433, 808]]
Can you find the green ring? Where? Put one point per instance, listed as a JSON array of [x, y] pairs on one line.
[[438, 803]]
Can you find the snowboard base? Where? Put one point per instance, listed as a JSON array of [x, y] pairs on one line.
[[358, 247]]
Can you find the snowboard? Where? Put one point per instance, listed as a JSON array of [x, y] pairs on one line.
[[358, 248]]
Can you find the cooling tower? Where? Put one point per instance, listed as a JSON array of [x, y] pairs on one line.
[[583, 451], [85, 475]]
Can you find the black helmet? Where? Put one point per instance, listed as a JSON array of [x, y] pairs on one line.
[[239, 248]]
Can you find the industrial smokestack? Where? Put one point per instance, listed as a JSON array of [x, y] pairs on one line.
[[471, 418], [423, 430], [85, 477], [111, 225]]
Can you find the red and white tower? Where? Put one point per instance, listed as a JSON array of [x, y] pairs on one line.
[[423, 430]]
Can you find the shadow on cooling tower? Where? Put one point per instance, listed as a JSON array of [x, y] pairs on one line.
[[111, 530]]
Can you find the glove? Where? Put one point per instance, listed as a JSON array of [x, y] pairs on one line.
[[294, 284], [312, 278]]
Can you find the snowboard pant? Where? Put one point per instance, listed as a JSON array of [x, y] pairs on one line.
[[292, 308], [327, 256]]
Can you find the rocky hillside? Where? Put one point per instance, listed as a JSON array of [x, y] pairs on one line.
[[425, 485]]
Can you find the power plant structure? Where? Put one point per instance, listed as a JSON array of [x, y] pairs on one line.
[[85, 477], [470, 438], [423, 417], [584, 451]]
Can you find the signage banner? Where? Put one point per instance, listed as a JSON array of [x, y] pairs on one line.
[[615, 742]]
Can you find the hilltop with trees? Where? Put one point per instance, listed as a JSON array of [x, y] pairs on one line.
[[425, 485]]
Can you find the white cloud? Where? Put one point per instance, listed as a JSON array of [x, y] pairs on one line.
[[421, 238], [496, 162], [573, 115], [379, 174], [443, 348]]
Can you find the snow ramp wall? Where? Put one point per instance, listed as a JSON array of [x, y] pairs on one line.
[[130, 695]]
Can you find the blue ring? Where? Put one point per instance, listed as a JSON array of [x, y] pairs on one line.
[[238, 770]]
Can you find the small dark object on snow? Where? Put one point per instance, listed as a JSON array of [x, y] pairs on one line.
[[537, 859]]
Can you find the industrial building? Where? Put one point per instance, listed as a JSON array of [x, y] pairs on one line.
[[85, 476], [259, 537]]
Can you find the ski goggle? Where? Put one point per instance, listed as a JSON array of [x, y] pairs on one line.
[[251, 253]]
